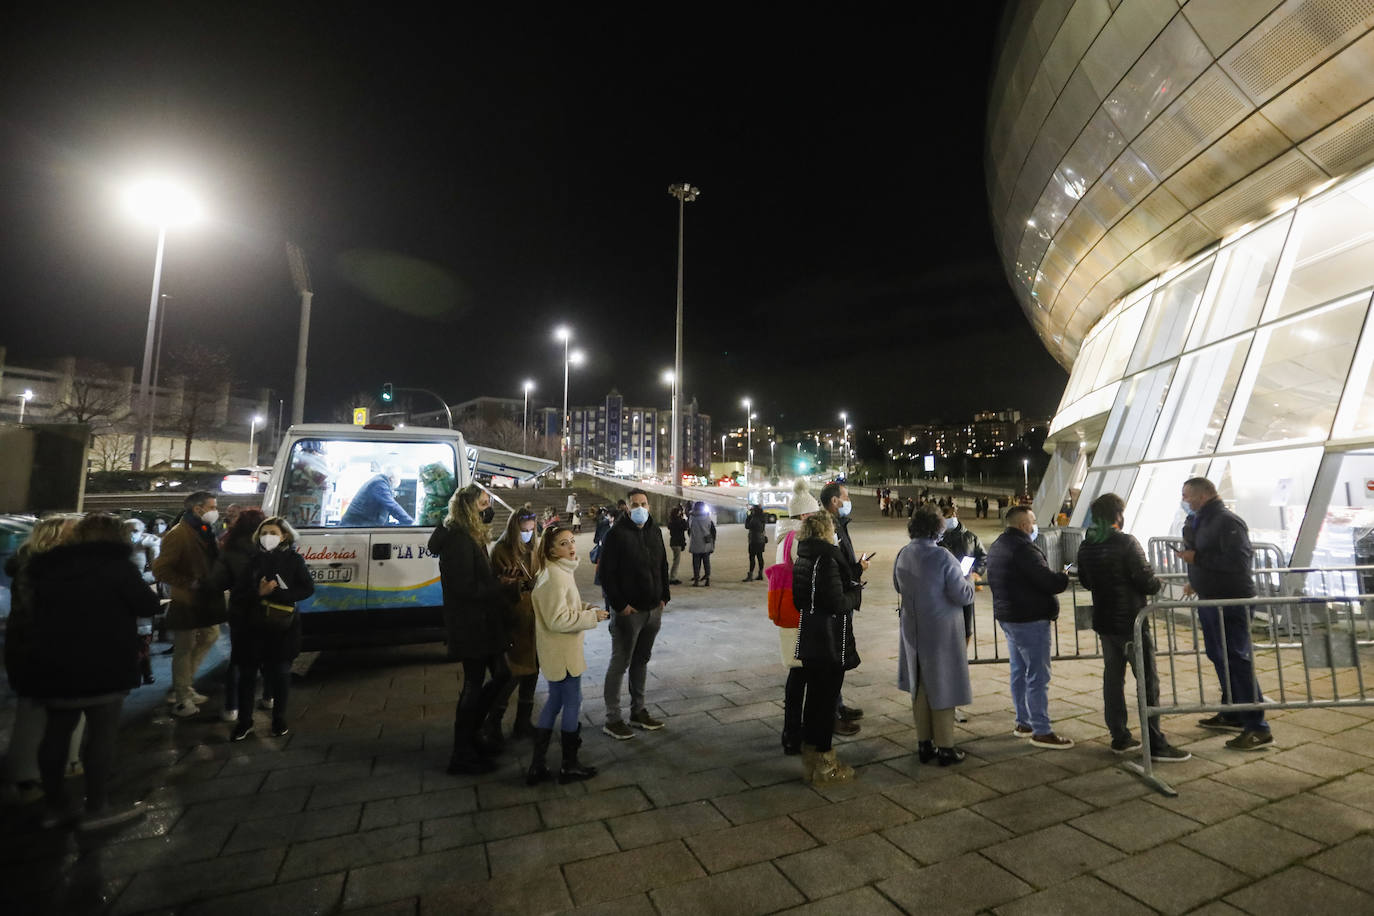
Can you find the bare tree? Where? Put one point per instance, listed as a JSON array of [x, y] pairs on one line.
[[96, 397], [205, 374], [112, 451], [221, 452]]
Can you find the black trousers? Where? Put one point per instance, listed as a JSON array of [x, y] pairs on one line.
[[793, 700], [823, 683], [476, 699], [102, 728], [755, 556]]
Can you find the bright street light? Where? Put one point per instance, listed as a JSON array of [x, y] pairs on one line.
[[252, 430], [525, 427], [685, 194], [1025, 472], [564, 333], [24, 399], [162, 203], [748, 440]]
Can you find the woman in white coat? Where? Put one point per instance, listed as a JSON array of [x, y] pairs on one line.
[[933, 664], [560, 619]]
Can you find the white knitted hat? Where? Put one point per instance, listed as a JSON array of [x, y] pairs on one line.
[[803, 503]]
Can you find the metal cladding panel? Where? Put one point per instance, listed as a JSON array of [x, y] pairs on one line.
[[1346, 145], [1093, 184], [1256, 195], [1296, 38], [1340, 85], [1219, 23]]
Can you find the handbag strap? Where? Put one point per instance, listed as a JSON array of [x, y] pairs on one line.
[[788, 540]]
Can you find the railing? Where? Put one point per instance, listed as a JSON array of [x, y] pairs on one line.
[[1319, 644]]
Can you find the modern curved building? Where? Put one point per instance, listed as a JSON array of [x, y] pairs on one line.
[[1180, 196]]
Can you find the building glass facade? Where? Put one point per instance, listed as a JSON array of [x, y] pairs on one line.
[[1252, 364]]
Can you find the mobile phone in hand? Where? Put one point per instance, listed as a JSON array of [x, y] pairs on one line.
[[281, 583]]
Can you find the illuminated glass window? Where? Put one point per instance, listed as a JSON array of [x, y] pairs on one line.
[[1292, 384], [1240, 282], [1199, 400], [1132, 419], [1269, 490], [1331, 251], [1170, 314]]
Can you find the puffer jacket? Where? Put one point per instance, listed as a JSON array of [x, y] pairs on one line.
[[964, 543], [1116, 572], [79, 622], [1023, 585], [826, 600], [1222, 567]]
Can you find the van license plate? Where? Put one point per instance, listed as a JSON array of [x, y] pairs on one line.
[[332, 573]]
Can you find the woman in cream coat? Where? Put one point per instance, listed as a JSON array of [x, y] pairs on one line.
[[560, 617]]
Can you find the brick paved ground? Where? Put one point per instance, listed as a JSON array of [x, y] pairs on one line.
[[354, 812]]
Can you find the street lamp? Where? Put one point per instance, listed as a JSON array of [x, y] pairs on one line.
[[525, 426], [722, 448], [24, 399], [748, 441], [772, 466], [252, 430], [569, 359], [844, 446], [685, 194], [1025, 473], [162, 203]]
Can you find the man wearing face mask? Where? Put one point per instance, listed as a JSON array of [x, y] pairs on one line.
[[634, 576], [1219, 557], [1023, 603], [835, 500], [197, 607]]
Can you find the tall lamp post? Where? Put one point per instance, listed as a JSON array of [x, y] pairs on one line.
[[24, 402], [1025, 475], [685, 194], [748, 441], [525, 427], [164, 204], [569, 359], [300, 278], [844, 441], [252, 432]]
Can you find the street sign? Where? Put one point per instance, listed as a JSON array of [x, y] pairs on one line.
[[359, 416]]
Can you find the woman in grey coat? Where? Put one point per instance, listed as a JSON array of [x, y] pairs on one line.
[[702, 533], [933, 662]]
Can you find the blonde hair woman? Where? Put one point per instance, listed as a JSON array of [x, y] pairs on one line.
[[560, 619], [476, 602], [513, 557]]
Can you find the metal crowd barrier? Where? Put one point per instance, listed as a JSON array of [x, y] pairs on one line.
[[1318, 648]]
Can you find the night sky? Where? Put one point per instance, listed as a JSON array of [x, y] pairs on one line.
[[462, 185]]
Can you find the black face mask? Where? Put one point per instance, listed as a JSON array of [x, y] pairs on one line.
[[487, 515]]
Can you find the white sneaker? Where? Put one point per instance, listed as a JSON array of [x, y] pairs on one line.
[[229, 715], [960, 715], [266, 703], [196, 698], [185, 710]]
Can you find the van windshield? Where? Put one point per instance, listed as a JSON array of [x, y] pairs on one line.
[[352, 483]]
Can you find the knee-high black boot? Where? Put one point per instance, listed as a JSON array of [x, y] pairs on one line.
[[572, 770], [538, 771]]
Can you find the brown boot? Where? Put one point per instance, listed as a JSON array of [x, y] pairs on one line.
[[829, 771]]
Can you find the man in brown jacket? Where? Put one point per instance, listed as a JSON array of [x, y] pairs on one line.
[[197, 609]]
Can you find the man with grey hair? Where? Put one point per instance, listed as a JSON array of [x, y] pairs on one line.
[[1218, 553], [197, 608]]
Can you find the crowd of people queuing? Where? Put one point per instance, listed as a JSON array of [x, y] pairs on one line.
[[85, 588]]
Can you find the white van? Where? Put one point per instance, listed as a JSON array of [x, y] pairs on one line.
[[375, 580]]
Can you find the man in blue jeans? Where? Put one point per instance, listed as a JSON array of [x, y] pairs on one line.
[[1024, 605], [1218, 554]]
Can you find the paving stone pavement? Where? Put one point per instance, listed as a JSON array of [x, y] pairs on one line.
[[353, 812]]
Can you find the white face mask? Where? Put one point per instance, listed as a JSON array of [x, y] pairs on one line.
[[526, 536], [210, 517], [845, 508], [835, 539], [269, 541], [1035, 532], [951, 523]]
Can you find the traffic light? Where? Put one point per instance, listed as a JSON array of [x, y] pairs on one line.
[[388, 393]]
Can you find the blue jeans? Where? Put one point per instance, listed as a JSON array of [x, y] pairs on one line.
[[567, 696], [1028, 649], [1226, 638]]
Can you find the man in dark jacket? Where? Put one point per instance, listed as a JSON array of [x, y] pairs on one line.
[[1218, 554], [374, 505], [197, 607], [1023, 603], [634, 575], [1112, 566]]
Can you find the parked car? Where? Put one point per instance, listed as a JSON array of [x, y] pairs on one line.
[[246, 480]]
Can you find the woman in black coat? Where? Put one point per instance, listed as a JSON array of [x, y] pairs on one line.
[[476, 603], [757, 525], [84, 600], [826, 600], [268, 633]]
